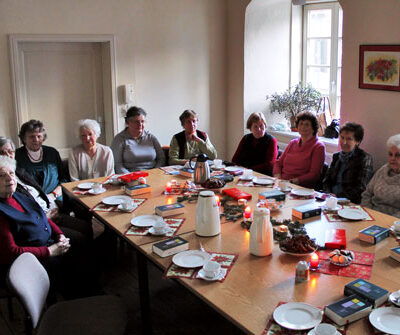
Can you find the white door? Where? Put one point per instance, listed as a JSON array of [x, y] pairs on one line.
[[63, 83]]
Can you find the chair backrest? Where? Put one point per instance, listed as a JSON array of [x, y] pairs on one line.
[[30, 282]]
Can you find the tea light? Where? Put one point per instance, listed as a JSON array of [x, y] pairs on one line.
[[168, 187], [242, 202], [174, 182], [314, 261], [142, 180], [247, 213], [218, 200], [282, 228]]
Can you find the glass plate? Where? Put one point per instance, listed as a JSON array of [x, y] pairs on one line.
[[352, 214], [191, 258], [386, 319], [302, 192], [115, 200], [297, 316]]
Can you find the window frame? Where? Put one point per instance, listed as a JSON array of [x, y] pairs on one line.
[[334, 94]]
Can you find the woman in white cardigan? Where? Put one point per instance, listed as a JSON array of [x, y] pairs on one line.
[[383, 191], [90, 159]]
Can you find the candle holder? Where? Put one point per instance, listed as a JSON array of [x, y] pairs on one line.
[[314, 262]]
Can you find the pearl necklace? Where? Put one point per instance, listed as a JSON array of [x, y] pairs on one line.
[[35, 156]]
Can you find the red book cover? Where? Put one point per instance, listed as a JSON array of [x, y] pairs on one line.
[[335, 239], [237, 194], [132, 176]]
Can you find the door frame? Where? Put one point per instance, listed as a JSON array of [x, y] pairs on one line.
[[109, 74]]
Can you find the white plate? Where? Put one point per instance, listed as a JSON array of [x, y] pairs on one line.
[[312, 332], [102, 190], [191, 258], [302, 192], [297, 315], [352, 214], [386, 319], [219, 276], [146, 220], [233, 168], [128, 209], [153, 232], [395, 298], [85, 186], [221, 167], [263, 181], [115, 200]]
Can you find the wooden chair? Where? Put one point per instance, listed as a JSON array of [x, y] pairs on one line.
[[94, 315]]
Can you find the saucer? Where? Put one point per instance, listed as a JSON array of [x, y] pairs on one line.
[[102, 190], [288, 189], [312, 332], [392, 228], [220, 167], [327, 209], [246, 178], [394, 298], [153, 232], [219, 276], [130, 209]]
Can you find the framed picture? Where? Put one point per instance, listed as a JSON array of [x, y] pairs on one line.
[[380, 67]]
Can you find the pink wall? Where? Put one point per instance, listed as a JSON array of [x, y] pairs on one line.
[[369, 22]]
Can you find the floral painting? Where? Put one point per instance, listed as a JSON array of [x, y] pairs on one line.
[[380, 67]]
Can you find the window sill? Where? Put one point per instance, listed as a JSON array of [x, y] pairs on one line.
[[284, 137]]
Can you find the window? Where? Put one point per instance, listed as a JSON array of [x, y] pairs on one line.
[[322, 50]]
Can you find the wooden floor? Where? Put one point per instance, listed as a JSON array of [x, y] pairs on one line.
[[174, 309]]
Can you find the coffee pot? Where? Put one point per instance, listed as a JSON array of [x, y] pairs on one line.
[[261, 233], [207, 215], [201, 168]]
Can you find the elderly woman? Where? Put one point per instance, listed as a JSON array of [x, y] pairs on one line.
[[90, 159], [352, 168], [190, 142], [28, 186], [302, 161], [383, 191], [135, 148], [258, 150], [43, 163], [24, 227]]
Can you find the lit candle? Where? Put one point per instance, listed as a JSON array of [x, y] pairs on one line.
[[314, 261], [283, 229], [168, 187], [242, 202], [170, 200], [247, 212], [218, 200]]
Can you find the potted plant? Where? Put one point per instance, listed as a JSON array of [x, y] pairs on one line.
[[296, 99]]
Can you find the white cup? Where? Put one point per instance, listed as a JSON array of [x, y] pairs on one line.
[[247, 173], [211, 269], [160, 226], [217, 163], [325, 329], [127, 204], [283, 185], [97, 187], [396, 225], [331, 202]]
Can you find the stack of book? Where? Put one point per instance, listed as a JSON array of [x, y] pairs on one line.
[[373, 234], [186, 172], [137, 189], [277, 195], [306, 211], [169, 210], [395, 253]]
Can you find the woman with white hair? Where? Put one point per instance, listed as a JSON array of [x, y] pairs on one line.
[[383, 191], [90, 159]]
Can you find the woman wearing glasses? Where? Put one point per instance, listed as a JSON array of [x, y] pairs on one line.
[[135, 148]]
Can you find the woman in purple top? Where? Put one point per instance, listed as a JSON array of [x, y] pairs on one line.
[[302, 161]]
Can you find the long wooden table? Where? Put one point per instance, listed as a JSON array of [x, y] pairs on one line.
[[255, 285]]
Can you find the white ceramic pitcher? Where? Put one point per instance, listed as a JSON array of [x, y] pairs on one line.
[[261, 233], [207, 215]]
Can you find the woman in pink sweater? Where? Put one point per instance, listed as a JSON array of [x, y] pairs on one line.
[[302, 161]]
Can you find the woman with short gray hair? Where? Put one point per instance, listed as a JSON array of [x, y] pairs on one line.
[[383, 191], [90, 159]]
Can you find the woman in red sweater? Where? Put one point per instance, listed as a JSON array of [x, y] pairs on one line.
[[302, 161], [258, 150]]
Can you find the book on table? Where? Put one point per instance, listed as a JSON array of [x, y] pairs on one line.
[[169, 210], [277, 195], [395, 253], [306, 211], [335, 239], [373, 234], [348, 309], [170, 247], [186, 172], [374, 294], [237, 194], [137, 189]]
